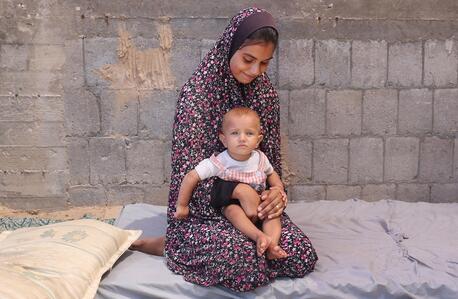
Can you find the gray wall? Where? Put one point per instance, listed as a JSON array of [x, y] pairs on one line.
[[87, 92]]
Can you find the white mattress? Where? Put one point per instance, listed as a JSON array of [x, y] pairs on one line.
[[384, 249]]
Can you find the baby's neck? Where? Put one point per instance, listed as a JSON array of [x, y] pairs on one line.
[[239, 158]]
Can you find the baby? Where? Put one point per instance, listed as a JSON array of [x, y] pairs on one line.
[[242, 171]]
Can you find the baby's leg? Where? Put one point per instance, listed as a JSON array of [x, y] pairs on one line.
[[249, 200], [272, 228], [237, 217]]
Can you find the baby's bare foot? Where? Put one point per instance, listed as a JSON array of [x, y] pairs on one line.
[[275, 252], [262, 243], [153, 245]]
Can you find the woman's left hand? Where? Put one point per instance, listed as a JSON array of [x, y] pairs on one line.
[[273, 202]]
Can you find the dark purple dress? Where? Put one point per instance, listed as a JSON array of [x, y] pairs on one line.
[[205, 248]]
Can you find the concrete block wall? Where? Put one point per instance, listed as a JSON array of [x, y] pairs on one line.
[[369, 97]]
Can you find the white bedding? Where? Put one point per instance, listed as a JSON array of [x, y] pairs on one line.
[[384, 249]]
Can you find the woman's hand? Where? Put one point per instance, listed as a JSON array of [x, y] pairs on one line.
[[273, 202]]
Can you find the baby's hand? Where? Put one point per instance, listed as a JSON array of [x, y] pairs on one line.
[[182, 212]]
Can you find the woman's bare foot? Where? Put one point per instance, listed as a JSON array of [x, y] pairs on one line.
[[152, 245], [275, 252], [262, 243]]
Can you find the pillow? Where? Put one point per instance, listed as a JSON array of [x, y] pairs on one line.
[[63, 260]]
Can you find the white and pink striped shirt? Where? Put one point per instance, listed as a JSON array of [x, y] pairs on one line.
[[253, 171]]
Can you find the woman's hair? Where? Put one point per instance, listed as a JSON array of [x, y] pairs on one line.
[[262, 35]]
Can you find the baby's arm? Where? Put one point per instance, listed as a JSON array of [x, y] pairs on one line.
[[274, 180], [189, 183]]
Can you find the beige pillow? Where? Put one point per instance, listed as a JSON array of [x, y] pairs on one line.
[[63, 260]]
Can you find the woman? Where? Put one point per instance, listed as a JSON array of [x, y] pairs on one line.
[[205, 248]]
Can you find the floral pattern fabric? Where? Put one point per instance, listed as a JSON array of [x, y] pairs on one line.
[[205, 248]]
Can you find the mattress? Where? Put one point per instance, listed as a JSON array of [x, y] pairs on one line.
[[383, 249]]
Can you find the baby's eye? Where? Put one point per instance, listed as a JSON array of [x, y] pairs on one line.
[[250, 133], [234, 133]]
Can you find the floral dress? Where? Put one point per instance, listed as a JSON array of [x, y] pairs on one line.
[[206, 248]]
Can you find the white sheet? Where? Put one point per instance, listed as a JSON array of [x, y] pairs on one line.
[[384, 249]]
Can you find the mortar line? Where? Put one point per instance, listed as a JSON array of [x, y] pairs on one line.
[[433, 102], [351, 62], [387, 64], [397, 111], [83, 48], [348, 160], [423, 63]]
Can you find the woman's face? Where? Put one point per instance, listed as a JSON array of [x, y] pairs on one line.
[[250, 61]]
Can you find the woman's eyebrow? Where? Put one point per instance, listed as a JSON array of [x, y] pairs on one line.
[[251, 56]]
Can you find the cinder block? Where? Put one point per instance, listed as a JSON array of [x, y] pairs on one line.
[[99, 52], [444, 193], [107, 161], [157, 195], [332, 63], [145, 162], [366, 160], [14, 57], [78, 161], [125, 194], [284, 111], [330, 161], [34, 183], [105, 28], [378, 192], [344, 112], [445, 111], [415, 111], [307, 111], [32, 133], [36, 29], [134, 8], [119, 109], [342, 192], [441, 63], [401, 158], [27, 108], [296, 69], [198, 28], [456, 159], [73, 71], [82, 113], [33, 159], [184, 59], [306, 193], [167, 161], [157, 110], [47, 57], [405, 64], [34, 203], [436, 159], [413, 192], [369, 68], [299, 161], [380, 109], [86, 195], [273, 70], [205, 47], [31, 83]]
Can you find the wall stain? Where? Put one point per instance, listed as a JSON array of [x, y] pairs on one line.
[[141, 69]]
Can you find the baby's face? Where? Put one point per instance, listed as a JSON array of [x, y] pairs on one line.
[[241, 135]]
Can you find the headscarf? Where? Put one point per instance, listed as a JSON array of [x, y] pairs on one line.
[[206, 97]]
